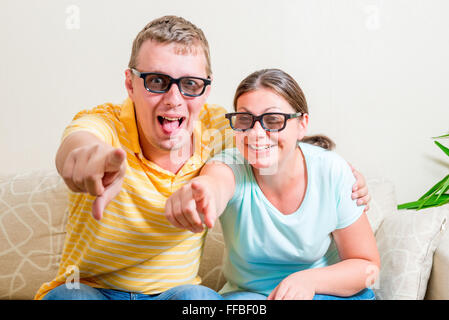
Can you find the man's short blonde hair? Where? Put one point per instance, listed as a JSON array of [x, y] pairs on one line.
[[172, 29]]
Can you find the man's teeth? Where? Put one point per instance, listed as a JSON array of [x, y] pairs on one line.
[[172, 119]]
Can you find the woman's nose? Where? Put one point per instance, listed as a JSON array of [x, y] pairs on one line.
[[257, 130]]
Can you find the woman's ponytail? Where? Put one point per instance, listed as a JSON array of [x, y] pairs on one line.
[[320, 141]]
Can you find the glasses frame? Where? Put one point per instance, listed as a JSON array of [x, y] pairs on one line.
[[177, 81], [287, 116]]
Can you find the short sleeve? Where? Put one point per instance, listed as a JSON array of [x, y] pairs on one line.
[[97, 121], [233, 159], [347, 209]]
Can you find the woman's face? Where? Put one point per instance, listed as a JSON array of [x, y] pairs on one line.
[[263, 149]]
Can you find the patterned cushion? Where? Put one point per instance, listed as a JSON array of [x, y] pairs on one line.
[[407, 241], [32, 220], [438, 286]]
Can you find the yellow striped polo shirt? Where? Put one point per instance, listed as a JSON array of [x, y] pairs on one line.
[[134, 247]]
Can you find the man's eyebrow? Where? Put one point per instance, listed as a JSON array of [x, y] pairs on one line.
[[150, 71], [165, 73]]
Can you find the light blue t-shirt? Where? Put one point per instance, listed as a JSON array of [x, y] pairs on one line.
[[264, 246]]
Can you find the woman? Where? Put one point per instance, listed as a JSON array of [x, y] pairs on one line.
[[290, 227]]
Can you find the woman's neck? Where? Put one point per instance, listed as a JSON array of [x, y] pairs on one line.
[[287, 174]]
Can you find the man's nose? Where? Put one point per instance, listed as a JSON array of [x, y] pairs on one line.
[[173, 96]]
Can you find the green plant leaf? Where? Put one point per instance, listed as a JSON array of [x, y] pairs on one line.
[[436, 195], [423, 204], [443, 189], [437, 202], [445, 150], [444, 136], [428, 201], [409, 205], [435, 188]]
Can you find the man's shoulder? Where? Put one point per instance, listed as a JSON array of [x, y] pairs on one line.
[[104, 111], [213, 108], [102, 121], [213, 116], [216, 133]]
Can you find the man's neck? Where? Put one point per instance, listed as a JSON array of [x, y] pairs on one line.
[[170, 160]]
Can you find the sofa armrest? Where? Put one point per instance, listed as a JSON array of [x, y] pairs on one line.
[[438, 286]]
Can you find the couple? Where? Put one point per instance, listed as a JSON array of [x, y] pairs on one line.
[[135, 228]]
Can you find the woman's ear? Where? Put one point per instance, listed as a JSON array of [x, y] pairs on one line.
[[303, 125]]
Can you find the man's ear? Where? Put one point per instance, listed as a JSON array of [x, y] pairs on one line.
[[129, 82], [209, 87]]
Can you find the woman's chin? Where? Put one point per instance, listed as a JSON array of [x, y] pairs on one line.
[[269, 167], [260, 162], [267, 170]]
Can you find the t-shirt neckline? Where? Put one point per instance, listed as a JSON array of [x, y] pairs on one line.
[[306, 196]]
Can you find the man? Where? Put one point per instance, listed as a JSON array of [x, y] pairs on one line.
[[122, 162]]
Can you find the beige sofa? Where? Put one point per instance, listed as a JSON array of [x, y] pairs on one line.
[[414, 247]]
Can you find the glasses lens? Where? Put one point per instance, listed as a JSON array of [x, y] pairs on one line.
[[242, 121], [192, 86], [273, 121], [157, 82]]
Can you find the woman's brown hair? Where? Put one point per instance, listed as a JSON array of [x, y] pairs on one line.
[[285, 86]]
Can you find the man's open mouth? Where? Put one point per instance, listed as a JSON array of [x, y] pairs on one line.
[[170, 124]]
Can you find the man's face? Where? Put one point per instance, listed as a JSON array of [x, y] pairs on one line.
[[166, 120]]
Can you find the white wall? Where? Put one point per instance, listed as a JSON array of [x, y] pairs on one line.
[[375, 73]]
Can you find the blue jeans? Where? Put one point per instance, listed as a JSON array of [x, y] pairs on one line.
[[365, 294], [85, 292]]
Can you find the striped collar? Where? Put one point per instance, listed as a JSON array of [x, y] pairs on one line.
[[128, 118]]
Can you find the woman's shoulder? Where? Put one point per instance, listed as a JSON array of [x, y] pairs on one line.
[[229, 156], [324, 159], [319, 153]]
